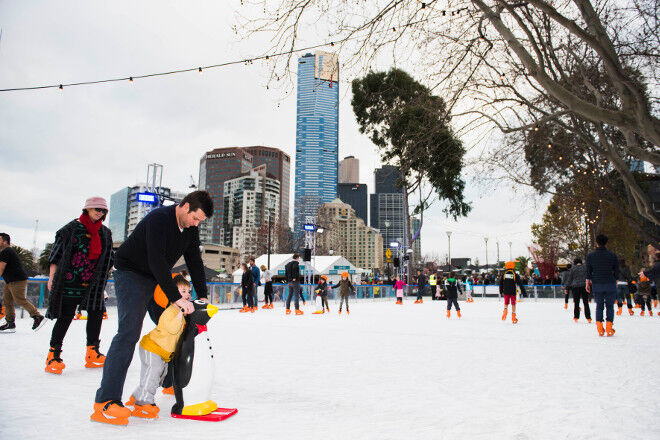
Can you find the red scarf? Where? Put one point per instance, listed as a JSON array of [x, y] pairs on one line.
[[93, 230]]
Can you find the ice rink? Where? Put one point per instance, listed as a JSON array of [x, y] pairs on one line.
[[384, 372]]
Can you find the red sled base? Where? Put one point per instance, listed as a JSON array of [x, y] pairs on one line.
[[218, 415]]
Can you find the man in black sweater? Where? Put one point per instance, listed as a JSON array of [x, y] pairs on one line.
[[292, 273], [602, 273], [144, 260]]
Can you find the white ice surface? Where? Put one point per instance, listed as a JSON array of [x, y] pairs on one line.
[[384, 372]]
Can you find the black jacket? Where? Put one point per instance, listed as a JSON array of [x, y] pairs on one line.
[[508, 282], [292, 271], [155, 246], [247, 281], [61, 255], [653, 274], [602, 266], [421, 281]]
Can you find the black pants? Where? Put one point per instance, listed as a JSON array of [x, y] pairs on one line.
[[434, 289], [420, 292], [94, 321], [645, 300], [452, 299], [324, 302], [580, 293], [268, 292], [247, 297], [567, 295]]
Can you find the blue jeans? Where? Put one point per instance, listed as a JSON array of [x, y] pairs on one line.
[[133, 292], [604, 295], [623, 294]]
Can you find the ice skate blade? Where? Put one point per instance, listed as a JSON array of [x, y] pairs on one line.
[[99, 417]]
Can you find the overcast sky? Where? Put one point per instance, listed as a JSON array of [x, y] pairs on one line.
[[59, 147]]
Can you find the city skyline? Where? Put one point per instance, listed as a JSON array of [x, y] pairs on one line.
[[61, 147]]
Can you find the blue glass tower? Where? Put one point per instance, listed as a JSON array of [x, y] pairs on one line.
[[317, 143]]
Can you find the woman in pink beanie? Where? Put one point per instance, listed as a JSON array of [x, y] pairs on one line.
[[80, 263]]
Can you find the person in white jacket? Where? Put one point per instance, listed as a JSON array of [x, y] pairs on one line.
[[267, 277]]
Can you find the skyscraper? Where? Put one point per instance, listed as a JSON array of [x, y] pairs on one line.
[[355, 194], [249, 200], [222, 164], [388, 213], [349, 170], [215, 167], [316, 135], [278, 164], [126, 211]]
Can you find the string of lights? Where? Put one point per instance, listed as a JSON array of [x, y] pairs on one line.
[[200, 69]]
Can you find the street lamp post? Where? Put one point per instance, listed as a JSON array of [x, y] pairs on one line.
[[510, 252], [486, 241], [268, 241], [449, 248], [497, 263]]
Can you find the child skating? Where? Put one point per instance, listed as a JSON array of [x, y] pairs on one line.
[[322, 292], [509, 281], [345, 290], [453, 288], [644, 292], [156, 350], [398, 289]]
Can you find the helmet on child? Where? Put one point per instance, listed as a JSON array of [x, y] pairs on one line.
[[510, 265], [324, 277], [344, 274]]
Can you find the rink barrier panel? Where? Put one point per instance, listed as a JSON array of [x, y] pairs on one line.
[[227, 295]]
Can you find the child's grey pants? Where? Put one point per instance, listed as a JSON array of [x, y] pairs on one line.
[[152, 372]]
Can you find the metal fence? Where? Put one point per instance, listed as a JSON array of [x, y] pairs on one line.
[[228, 295]]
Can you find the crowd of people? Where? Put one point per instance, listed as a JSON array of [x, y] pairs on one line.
[[82, 258]]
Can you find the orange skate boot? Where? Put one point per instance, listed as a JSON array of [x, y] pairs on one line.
[[609, 329], [599, 328], [54, 362], [169, 391], [288, 311], [458, 312], [620, 311], [448, 313], [299, 312], [94, 358], [514, 320], [504, 314], [112, 412]]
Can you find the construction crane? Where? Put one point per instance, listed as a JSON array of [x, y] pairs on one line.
[[192, 182], [34, 239]]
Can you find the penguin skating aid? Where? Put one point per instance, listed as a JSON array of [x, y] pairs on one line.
[[193, 370]]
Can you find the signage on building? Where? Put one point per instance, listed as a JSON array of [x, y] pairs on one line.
[[220, 155], [149, 198], [281, 272], [342, 267]]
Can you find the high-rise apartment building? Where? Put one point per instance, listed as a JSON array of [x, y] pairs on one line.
[[349, 170], [222, 164], [126, 211], [278, 164], [317, 142], [387, 206], [355, 194], [249, 200], [347, 235]]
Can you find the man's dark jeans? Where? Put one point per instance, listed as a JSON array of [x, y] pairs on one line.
[[294, 291], [133, 292], [605, 295]]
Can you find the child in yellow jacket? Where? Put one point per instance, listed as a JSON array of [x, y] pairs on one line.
[[156, 349]]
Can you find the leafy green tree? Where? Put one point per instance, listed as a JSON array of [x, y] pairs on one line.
[[26, 258], [43, 258], [411, 128]]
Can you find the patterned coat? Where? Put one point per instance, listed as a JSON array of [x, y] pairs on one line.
[[61, 255]]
